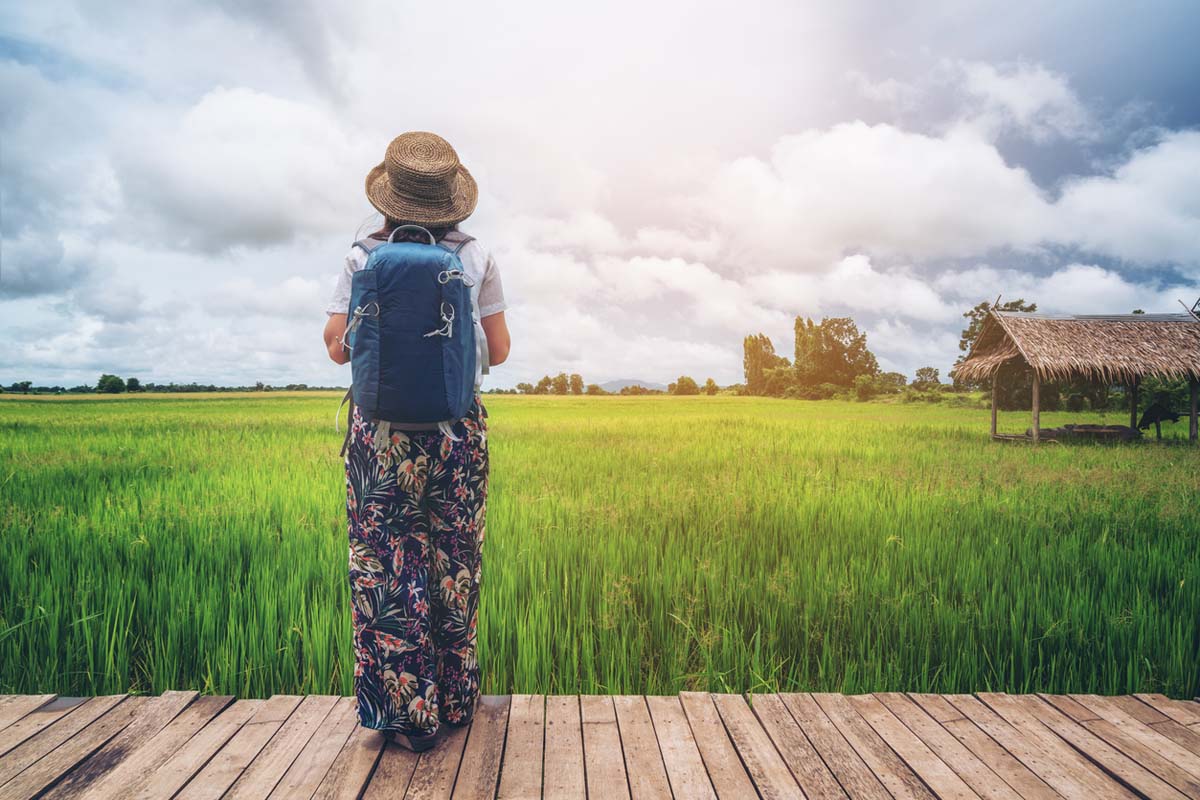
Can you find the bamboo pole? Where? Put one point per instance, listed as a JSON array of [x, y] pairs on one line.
[[1037, 433], [1193, 432], [994, 402], [1133, 403]]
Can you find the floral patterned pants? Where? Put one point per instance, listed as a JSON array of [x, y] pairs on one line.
[[415, 505]]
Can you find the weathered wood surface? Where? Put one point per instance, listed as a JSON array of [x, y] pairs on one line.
[[887, 746]]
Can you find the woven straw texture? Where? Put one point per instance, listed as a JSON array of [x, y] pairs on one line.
[[422, 181], [1116, 349]]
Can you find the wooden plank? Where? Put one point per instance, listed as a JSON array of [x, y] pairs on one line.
[[1083, 737], [943, 781], [195, 753], [720, 757], [310, 767], [18, 705], [797, 751], [261, 775], [49, 737], [564, 774], [521, 772], [1069, 707], [1138, 710], [350, 771], [685, 768], [153, 715], [639, 742], [396, 767], [236, 752], [34, 721], [479, 772], [606, 777], [1080, 765], [855, 777], [950, 750], [139, 765], [1067, 774], [434, 775], [1155, 741], [936, 706], [1180, 734], [1188, 738], [767, 769], [891, 770], [1182, 712], [48, 769]]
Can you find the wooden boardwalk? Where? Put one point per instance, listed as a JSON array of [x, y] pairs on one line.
[[696, 745]]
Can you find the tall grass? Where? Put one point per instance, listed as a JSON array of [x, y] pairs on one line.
[[633, 545]]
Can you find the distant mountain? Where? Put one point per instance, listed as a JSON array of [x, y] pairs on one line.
[[621, 383]]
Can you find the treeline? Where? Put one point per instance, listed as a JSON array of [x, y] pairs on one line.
[[830, 359], [114, 384], [563, 384]]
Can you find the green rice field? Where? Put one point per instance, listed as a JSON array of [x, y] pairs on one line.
[[647, 545]]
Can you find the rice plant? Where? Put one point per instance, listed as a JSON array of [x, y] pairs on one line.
[[633, 545]]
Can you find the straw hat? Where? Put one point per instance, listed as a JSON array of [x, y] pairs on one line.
[[421, 181]]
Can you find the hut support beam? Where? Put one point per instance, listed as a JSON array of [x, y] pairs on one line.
[[1193, 432], [1133, 403], [1037, 432], [994, 404]]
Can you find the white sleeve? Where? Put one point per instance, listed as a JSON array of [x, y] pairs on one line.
[[339, 303], [491, 291]]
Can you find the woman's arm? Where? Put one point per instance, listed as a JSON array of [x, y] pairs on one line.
[[498, 340], [335, 329]]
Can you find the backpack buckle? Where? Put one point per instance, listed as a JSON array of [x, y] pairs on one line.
[[447, 328]]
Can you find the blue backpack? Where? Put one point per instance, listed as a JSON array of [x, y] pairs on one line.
[[411, 334]]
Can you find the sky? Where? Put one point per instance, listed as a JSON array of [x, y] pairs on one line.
[[181, 181]]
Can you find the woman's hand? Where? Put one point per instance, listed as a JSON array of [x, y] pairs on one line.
[[498, 340], [335, 329]]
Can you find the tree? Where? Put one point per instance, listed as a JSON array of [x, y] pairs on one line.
[[525, 388], [594, 389], [21, 386], [560, 383], [975, 318], [890, 382], [576, 384], [544, 385], [865, 387], [926, 379], [133, 385], [684, 386], [758, 357], [710, 387], [832, 351], [110, 384]]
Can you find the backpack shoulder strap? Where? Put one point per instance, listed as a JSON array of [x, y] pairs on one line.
[[367, 245], [455, 250]]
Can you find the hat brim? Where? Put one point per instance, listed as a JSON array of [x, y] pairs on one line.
[[404, 209]]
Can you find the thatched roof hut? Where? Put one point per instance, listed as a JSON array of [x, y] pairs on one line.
[[1107, 348]]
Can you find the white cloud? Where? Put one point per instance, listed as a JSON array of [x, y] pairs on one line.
[[180, 188], [878, 189], [1147, 210], [1028, 98], [243, 167]]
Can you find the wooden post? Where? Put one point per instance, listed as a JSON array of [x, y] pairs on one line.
[[1193, 431], [1037, 432], [994, 401], [1133, 403]]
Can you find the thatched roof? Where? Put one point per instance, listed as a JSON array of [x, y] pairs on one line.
[[1110, 348]]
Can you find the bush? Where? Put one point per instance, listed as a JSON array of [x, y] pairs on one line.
[[865, 387]]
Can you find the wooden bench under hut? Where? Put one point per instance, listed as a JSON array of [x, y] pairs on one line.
[[1109, 348]]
